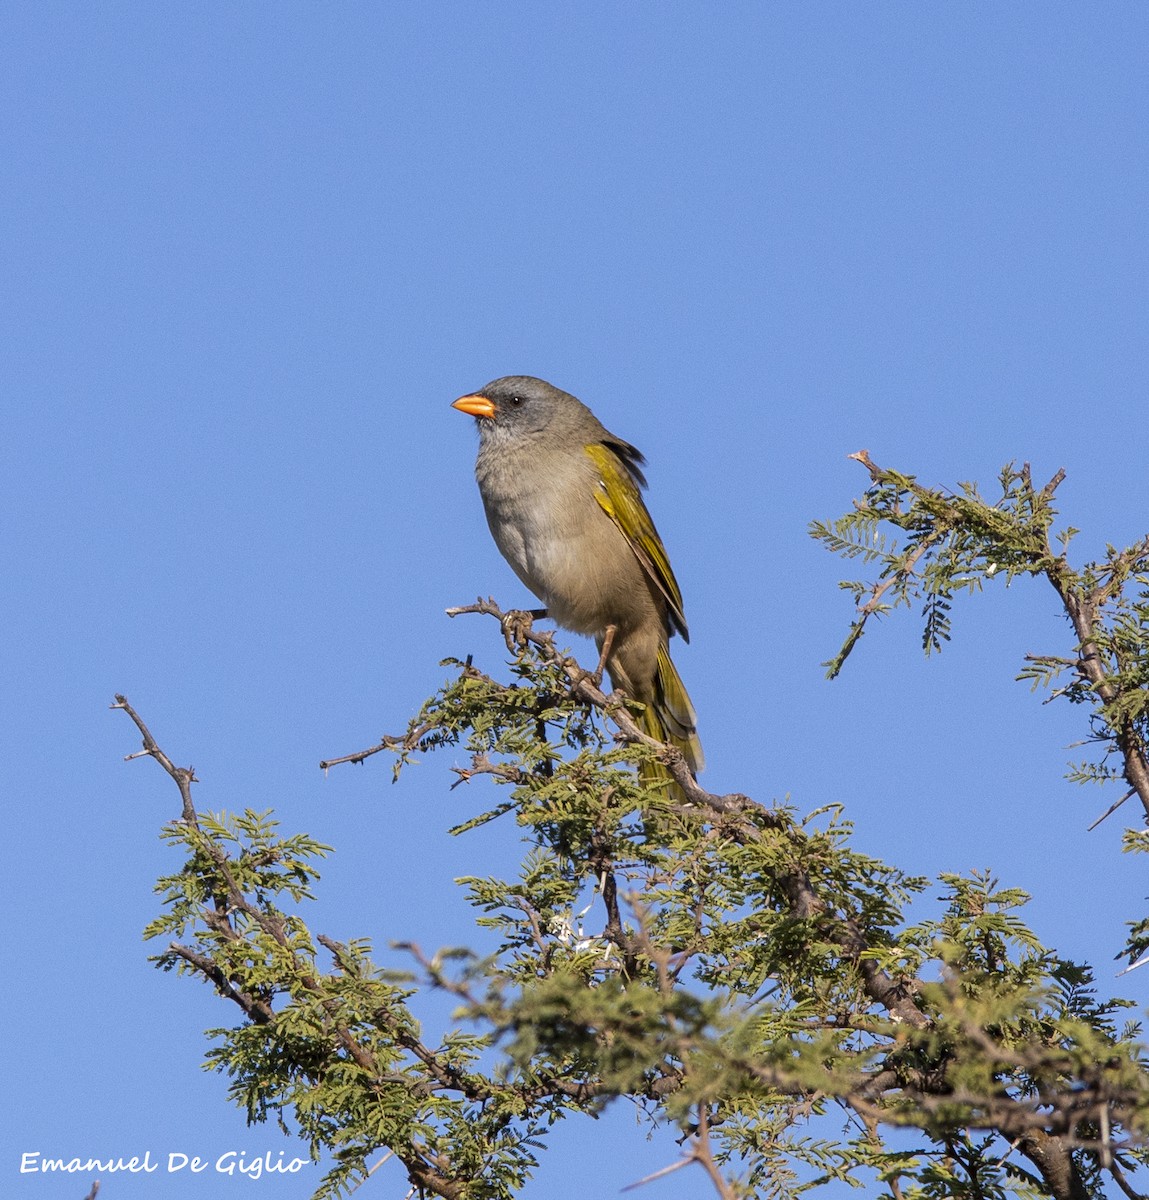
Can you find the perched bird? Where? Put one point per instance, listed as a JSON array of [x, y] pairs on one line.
[[563, 502]]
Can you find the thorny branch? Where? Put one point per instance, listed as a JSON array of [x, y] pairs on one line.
[[1084, 609], [1043, 1131], [744, 820], [408, 742], [1082, 603], [421, 1171], [799, 888], [424, 1174], [184, 776]]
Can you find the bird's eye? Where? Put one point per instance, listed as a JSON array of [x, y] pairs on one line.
[[516, 401]]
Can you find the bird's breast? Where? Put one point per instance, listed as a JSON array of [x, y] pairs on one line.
[[550, 527]]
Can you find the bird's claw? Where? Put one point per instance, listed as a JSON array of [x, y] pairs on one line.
[[517, 625]]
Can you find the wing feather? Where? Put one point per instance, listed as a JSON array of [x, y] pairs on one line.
[[619, 497]]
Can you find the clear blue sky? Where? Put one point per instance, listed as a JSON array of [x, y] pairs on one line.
[[251, 253]]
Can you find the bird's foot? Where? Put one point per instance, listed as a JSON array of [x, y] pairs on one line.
[[605, 648], [517, 624]]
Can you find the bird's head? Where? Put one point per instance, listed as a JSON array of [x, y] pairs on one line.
[[521, 404]]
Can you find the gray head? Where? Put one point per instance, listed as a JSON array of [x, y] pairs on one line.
[[517, 406]]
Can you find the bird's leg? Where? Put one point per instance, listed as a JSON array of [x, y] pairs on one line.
[[517, 624], [605, 648]]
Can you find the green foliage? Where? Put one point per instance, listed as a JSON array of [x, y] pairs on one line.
[[732, 969], [951, 543], [960, 542]]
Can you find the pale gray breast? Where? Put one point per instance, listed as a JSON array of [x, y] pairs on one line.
[[543, 515]]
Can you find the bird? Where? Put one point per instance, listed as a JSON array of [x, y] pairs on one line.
[[563, 499]]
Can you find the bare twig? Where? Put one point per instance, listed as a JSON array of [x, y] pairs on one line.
[[1123, 1183], [1058, 479], [661, 1173], [701, 1153], [408, 741], [184, 776], [1110, 810], [371, 1170]]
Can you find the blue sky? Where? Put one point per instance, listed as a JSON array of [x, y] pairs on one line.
[[253, 251]]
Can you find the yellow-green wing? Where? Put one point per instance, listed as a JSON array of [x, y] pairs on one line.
[[620, 499]]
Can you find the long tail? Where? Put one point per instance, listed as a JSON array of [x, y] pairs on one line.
[[671, 718]]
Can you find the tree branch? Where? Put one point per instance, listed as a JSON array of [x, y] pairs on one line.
[[184, 776]]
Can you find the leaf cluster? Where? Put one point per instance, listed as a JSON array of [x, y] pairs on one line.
[[929, 544]]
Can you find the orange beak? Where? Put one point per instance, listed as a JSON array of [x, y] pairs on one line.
[[475, 406]]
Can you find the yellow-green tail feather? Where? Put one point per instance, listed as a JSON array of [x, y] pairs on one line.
[[670, 717]]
